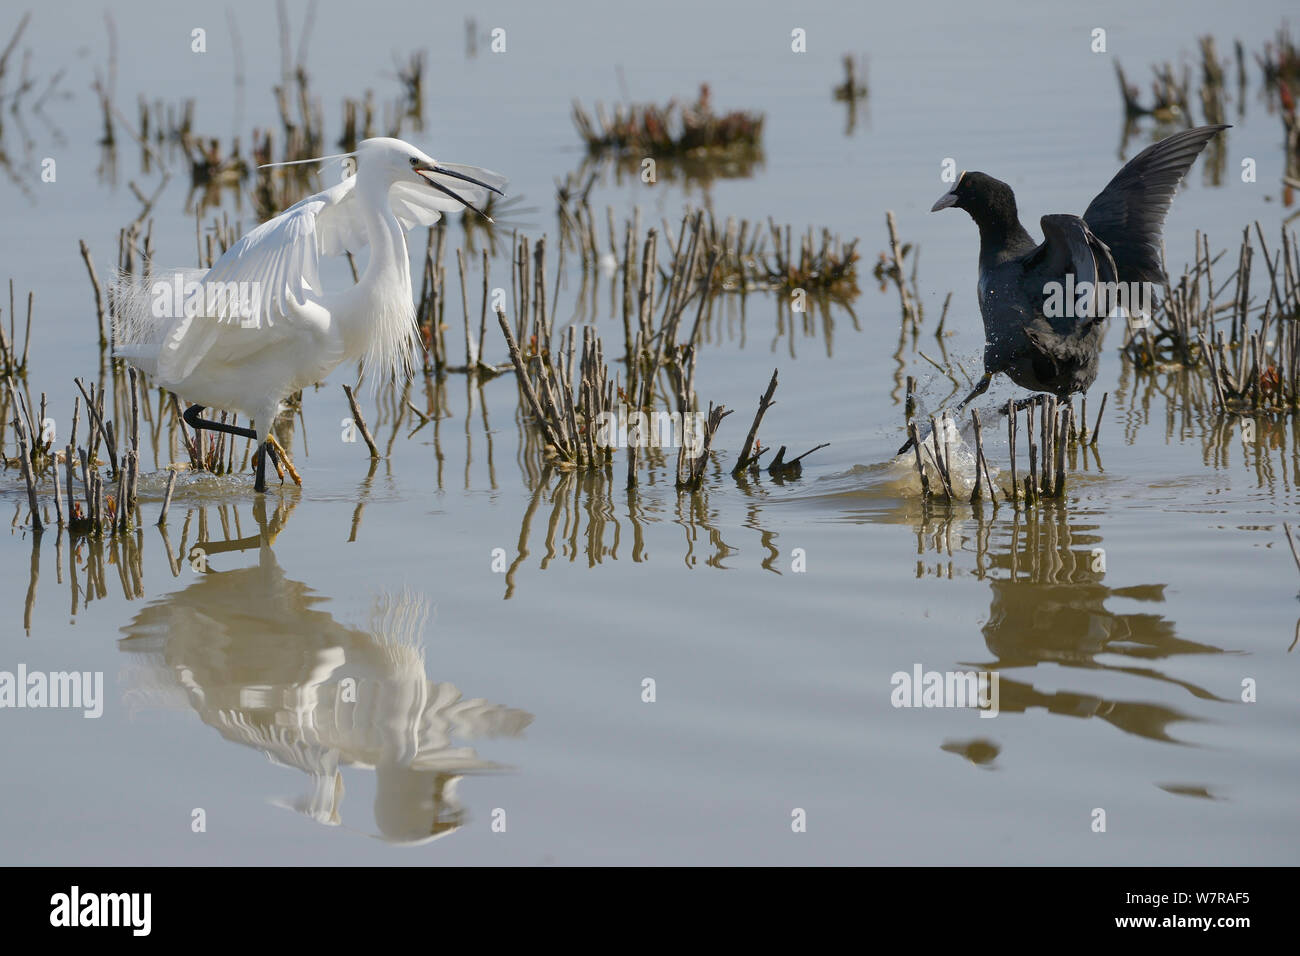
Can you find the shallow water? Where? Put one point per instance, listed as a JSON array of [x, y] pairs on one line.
[[492, 686]]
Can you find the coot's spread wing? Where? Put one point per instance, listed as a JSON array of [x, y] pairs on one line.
[[1129, 213], [1070, 247]]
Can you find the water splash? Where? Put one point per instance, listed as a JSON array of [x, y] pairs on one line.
[[946, 443]]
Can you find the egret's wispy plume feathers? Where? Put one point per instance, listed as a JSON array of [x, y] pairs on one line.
[[303, 162]]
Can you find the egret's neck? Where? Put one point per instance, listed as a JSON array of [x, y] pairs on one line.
[[379, 324], [389, 266]]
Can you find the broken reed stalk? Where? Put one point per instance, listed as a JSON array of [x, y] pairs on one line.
[[676, 129], [1057, 430], [167, 498], [1263, 377], [981, 464], [547, 386], [1047, 439], [1295, 555], [99, 428], [565, 383], [1251, 369], [629, 245], [749, 458], [101, 513], [424, 419], [464, 302], [943, 317], [1096, 429], [58, 497], [633, 447], [134, 464], [979, 456], [70, 463], [12, 361], [646, 296], [6, 353], [765, 401], [1012, 420], [119, 502], [525, 383], [192, 445], [938, 457], [99, 295], [947, 463], [433, 299], [1168, 335], [710, 258], [481, 365], [1062, 439], [361, 423], [913, 434], [29, 476], [899, 276], [566, 405], [1031, 481], [694, 467], [780, 468]]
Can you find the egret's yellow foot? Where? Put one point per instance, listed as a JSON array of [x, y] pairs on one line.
[[279, 456]]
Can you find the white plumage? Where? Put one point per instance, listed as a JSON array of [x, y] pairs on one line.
[[284, 330]]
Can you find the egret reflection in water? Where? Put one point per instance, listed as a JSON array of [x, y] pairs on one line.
[[252, 652]]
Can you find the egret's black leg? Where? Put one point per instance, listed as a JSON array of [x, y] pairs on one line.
[[260, 483], [192, 419], [269, 449]]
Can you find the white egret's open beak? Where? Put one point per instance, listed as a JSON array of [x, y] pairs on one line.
[[428, 172]]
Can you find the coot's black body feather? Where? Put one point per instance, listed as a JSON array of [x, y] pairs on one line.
[[1116, 239], [1043, 353]]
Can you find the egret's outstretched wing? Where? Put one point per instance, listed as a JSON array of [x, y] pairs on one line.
[[272, 268], [283, 253], [186, 340], [279, 258], [256, 280]]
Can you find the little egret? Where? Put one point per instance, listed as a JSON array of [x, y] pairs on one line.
[[258, 326]]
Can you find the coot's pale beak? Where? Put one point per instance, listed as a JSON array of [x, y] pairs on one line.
[[946, 200]]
